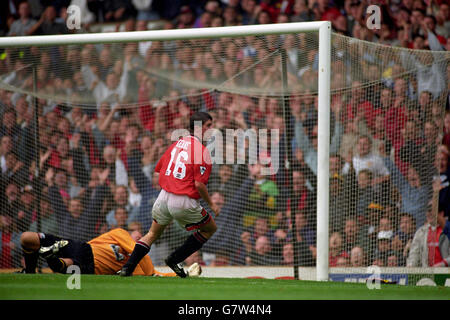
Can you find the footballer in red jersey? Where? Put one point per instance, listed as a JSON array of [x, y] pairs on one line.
[[184, 162], [184, 171]]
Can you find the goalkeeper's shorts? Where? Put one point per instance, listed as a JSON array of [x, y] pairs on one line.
[[80, 252]]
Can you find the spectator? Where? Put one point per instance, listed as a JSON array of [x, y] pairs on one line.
[[446, 137], [21, 26], [6, 146], [121, 200], [445, 225], [383, 249], [443, 20], [224, 181], [288, 254], [415, 195], [15, 170], [231, 16], [357, 257], [73, 218], [365, 192], [366, 159], [304, 240], [303, 195], [229, 233], [10, 243], [409, 152], [121, 217], [433, 84], [260, 228], [113, 89], [277, 7], [26, 212], [403, 237], [370, 226], [342, 262], [261, 253], [47, 24], [145, 10], [392, 260], [396, 115], [262, 197], [250, 12], [351, 235], [49, 223], [336, 249], [308, 142], [9, 126], [117, 10], [185, 18], [117, 172], [300, 12], [424, 250], [441, 163], [11, 199]]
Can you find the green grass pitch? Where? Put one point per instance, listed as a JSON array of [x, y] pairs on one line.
[[92, 287]]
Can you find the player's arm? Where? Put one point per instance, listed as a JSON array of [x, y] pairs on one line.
[[203, 192]]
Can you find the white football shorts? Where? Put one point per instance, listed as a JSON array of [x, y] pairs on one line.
[[186, 211]]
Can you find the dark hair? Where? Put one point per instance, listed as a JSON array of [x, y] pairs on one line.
[[432, 18], [198, 116], [368, 172], [121, 208]]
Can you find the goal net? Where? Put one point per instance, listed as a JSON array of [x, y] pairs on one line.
[[83, 126]]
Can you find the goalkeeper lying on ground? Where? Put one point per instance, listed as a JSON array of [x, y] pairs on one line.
[[105, 254]]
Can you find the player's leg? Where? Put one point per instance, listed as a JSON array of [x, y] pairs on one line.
[[161, 219], [142, 248], [193, 243], [192, 217]]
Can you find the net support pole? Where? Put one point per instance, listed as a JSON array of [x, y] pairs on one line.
[[287, 153], [36, 181], [323, 149]]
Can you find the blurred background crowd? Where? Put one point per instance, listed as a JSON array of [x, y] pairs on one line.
[[390, 140]]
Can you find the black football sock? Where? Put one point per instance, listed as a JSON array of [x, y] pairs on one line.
[[139, 251], [31, 259], [191, 245], [57, 265]]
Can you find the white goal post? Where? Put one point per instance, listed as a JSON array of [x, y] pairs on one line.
[[324, 70]]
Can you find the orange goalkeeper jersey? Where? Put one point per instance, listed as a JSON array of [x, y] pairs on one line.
[[111, 251]]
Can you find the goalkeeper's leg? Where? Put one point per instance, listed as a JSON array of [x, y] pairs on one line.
[[58, 253], [30, 243]]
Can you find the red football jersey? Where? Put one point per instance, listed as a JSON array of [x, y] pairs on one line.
[[183, 163]]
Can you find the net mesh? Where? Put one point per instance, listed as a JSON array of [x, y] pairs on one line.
[[106, 113]]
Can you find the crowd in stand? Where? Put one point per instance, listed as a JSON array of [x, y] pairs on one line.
[[389, 171]]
